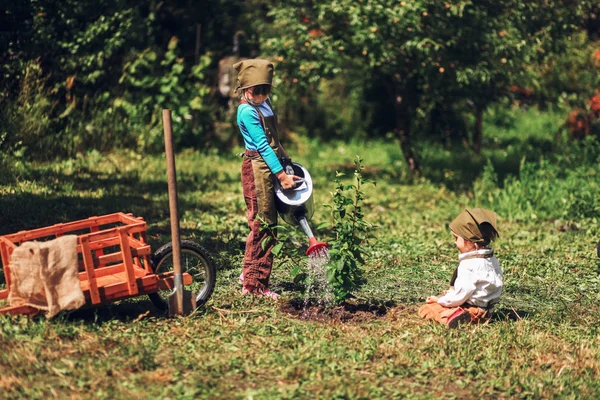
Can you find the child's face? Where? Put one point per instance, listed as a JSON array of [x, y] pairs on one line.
[[256, 99], [464, 246]]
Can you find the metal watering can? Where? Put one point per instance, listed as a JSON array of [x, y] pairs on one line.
[[296, 206]]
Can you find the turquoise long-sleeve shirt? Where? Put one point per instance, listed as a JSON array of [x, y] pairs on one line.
[[254, 135]]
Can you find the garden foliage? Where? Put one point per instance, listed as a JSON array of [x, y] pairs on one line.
[[95, 74], [350, 231]]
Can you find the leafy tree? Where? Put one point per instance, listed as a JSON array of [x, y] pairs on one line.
[[426, 53], [80, 50]]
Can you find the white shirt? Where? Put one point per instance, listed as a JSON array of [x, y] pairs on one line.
[[478, 281]]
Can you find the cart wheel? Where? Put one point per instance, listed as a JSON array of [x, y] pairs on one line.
[[196, 261]]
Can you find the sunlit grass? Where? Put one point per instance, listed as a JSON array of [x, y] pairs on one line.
[[544, 342]]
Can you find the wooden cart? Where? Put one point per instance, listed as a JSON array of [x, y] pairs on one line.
[[114, 259]]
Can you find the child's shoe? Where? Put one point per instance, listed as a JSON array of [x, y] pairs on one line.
[[241, 280], [260, 293], [270, 294], [460, 316]]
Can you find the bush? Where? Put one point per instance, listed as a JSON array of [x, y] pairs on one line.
[[27, 125], [346, 248], [150, 83], [556, 187]]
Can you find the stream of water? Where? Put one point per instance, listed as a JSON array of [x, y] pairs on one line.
[[318, 287]]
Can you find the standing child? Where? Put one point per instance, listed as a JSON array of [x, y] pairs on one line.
[[261, 166], [477, 282]]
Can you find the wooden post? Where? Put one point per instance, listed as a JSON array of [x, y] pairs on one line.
[[174, 212]]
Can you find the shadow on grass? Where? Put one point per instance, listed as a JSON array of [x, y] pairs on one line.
[[509, 314], [124, 311], [25, 211], [105, 193]]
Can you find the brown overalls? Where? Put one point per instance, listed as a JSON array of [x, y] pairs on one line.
[[259, 194], [441, 314]]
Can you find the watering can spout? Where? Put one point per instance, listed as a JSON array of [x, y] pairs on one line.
[[303, 222], [314, 245]]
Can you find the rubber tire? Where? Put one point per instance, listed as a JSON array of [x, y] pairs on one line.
[[187, 246]]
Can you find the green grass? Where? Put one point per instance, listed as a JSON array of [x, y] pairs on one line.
[[544, 342]]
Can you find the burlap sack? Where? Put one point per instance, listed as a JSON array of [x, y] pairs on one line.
[[44, 275]]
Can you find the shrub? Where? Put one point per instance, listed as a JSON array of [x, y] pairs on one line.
[[556, 187], [346, 248], [27, 124], [152, 82]]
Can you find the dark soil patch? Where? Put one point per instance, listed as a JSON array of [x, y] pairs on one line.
[[345, 312]]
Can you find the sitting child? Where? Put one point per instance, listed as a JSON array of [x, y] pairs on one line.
[[477, 282]]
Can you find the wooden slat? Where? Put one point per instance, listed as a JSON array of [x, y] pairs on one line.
[[126, 250], [118, 256], [166, 281], [19, 310], [136, 243], [116, 288], [129, 219], [111, 275], [62, 228], [146, 258], [3, 294], [99, 252], [107, 234], [6, 249], [3, 253], [137, 225], [100, 272], [88, 262]]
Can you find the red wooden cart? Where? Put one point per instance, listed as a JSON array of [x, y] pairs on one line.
[[114, 259]]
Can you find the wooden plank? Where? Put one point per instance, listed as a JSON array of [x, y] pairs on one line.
[[118, 256], [100, 272], [136, 243], [19, 310], [3, 253], [129, 219], [6, 249], [3, 294], [147, 264], [147, 284], [138, 225], [99, 252], [88, 262], [118, 290], [166, 280], [63, 228], [127, 260]]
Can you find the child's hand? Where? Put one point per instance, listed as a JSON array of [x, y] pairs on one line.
[[431, 299], [287, 181]]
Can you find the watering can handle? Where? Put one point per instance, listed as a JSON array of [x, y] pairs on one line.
[[298, 182]]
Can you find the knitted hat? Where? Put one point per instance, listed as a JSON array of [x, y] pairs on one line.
[[476, 225], [253, 72]]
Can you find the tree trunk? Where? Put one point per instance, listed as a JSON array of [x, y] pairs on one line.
[[478, 132], [403, 130], [403, 124]]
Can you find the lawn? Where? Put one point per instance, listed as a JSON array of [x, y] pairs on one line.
[[544, 341]]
